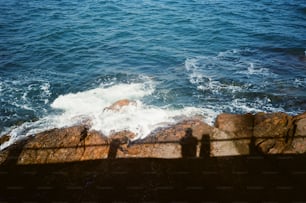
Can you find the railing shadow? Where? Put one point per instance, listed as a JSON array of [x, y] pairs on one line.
[[234, 178], [250, 178], [188, 147], [254, 177]]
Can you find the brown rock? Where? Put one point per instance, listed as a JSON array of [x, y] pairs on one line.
[[123, 136], [77, 143], [239, 124], [64, 145], [273, 132], [154, 150], [3, 156], [165, 142], [299, 116], [4, 139], [233, 135], [298, 144], [224, 144], [10, 155], [177, 131], [119, 104], [300, 125]]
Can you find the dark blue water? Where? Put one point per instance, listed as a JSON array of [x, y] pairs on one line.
[[215, 55]]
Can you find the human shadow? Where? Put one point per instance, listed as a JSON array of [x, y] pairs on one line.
[[252, 147], [14, 152], [205, 146], [113, 148], [188, 144]]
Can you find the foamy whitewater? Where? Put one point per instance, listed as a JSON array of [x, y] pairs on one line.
[[141, 118], [90, 108], [62, 63]]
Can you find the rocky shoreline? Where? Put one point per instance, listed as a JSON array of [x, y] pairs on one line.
[[232, 134]]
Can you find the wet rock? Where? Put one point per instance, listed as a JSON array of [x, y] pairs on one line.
[[123, 136], [273, 132], [75, 143], [119, 104], [4, 139]]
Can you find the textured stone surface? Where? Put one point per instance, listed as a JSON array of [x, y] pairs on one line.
[[164, 143], [233, 134], [298, 145], [177, 131], [226, 144], [155, 150], [273, 132], [124, 136], [3, 156], [4, 138], [64, 145], [241, 125], [300, 125]]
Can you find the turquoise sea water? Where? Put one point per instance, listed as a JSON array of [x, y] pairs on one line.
[[64, 61]]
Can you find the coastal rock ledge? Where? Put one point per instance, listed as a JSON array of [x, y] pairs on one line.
[[232, 134]]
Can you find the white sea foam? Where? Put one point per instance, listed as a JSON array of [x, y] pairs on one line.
[[89, 106], [140, 118], [205, 81], [254, 69], [227, 76], [1, 86], [46, 93], [299, 82], [258, 105]]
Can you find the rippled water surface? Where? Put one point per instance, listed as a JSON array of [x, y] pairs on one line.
[[64, 61]]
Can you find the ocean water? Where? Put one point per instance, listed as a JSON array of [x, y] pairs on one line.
[[62, 62]]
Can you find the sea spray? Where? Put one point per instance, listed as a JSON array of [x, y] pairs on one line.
[[90, 107]]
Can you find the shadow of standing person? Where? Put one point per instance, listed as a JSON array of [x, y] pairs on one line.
[[205, 146], [252, 146], [14, 153], [188, 144], [113, 148]]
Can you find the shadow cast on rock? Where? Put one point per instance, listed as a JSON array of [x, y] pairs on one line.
[[256, 178]]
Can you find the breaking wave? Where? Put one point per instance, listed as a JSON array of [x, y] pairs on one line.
[[90, 107]]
